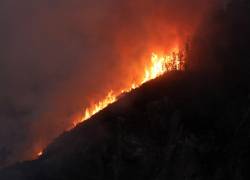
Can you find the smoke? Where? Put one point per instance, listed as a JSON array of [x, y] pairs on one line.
[[58, 56]]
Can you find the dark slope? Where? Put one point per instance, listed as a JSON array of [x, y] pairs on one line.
[[184, 125], [175, 127]]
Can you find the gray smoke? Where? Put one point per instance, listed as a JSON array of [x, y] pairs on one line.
[[57, 56]]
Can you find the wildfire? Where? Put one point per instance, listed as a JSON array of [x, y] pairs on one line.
[[110, 98], [159, 65]]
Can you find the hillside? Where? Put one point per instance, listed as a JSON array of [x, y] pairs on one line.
[[175, 127]]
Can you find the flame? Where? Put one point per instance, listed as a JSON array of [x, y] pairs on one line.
[[109, 99], [159, 65], [40, 153]]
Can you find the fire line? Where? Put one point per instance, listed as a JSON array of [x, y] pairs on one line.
[[159, 65]]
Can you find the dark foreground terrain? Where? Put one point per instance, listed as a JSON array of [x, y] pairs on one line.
[[175, 127], [183, 125]]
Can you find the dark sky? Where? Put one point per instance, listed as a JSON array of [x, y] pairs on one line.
[[57, 56]]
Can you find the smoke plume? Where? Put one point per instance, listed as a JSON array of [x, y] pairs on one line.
[[56, 57]]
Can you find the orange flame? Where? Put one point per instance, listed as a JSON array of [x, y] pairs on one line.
[[158, 66], [109, 99], [40, 153]]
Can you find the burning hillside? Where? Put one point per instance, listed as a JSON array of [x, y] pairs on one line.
[[159, 65], [61, 62], [191, 124]]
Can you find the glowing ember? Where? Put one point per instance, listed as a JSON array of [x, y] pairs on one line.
[[158, 66], [40, 153]]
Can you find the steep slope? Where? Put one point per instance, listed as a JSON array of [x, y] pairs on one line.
[[175, 127]]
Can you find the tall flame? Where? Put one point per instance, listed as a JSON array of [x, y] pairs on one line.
[[159, 65], [110, 98]]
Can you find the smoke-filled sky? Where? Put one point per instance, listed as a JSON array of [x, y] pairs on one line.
[[58, 56]]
